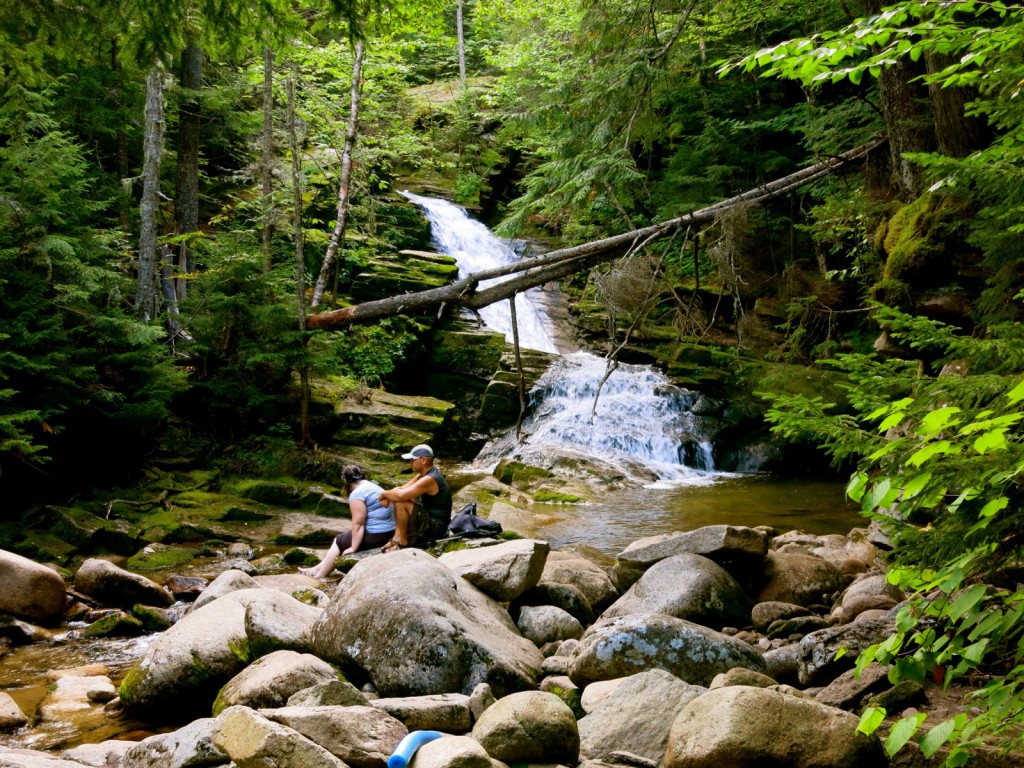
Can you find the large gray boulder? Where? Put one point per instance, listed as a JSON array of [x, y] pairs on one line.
[[818, 658], [182, 671], [743, 727], [447, 712], [271, 680], [230, 580], [253, 741], [636, 717], [503, 571], [588, 577], [363, 737], [717, 542], [188, 747], [625, 645], [413, 627], [110, 585], [546, 624], [29, 590], [455, 752], [529, 727], [689, 587], [280, 624]]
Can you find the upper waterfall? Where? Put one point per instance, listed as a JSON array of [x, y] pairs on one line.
[[475, 248]]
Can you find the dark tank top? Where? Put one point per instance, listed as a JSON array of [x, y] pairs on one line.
[[438, 506]]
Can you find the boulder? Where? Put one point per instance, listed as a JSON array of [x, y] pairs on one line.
[[741, 676], [545, 624], [622, 646], [182, 671], [29, 590], [480, 699], [32, 758], [763, 615], [503, 571], [800, 579], [110, 585], [717, 542], [636, 717], [412, 627], [744, 727], [337, 693], [565, 596], [454, 752], [448, 712], [689, 587], [818, 657], [589, 578], [595, 693], [252, 741], [529, 727], [849, 690], [11, 716], [363, 737], [189, 747], [231, 580], [280, 624], [868, 593], [783, 663], [105, 754], [271, 680]]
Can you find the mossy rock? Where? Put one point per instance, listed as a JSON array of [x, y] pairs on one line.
[[300, 556], [42, 546], [245, 515], [555, 497], [118, 624], [91, 533], [152, 619], [470, 353], [572, 698], [519, 475], [279, 493], [155, 558]]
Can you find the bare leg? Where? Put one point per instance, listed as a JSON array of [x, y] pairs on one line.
[[403, 511], [326, 565]]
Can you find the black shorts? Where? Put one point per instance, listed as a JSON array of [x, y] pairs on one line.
[[370, 540]]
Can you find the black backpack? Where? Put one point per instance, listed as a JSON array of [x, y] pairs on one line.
[[467, 525]]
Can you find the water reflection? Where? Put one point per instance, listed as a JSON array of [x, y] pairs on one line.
[[624, 515]]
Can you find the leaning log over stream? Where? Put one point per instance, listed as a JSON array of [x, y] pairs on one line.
[[566, 261]]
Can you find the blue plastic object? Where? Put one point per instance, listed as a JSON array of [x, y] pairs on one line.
[[407, 747]]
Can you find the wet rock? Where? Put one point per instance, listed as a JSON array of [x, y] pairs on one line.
[[503, 571], [636, 717], [622, 646], [546, 623], [448, 712], [529, 727], [689, 587], [363, 737], [186, 588], [116, 624], [111, 585], [413, 628], [11, 716], [16, 632], [271, 680], [744, 727], [252, 741], [29, 590]]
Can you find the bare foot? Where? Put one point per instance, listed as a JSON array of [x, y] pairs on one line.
[[308, 572]]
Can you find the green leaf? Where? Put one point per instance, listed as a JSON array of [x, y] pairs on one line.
[[937, 420], [990, 441], [870, 720], [994, 506], [855, 488], [967, 600], [937, 736], [928, 451], [1016, 394], [915, 484], [902, 732]]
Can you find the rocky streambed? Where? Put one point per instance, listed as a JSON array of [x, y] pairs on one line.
[[722, 646]]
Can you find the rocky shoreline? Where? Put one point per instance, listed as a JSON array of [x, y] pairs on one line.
[[723, 646]]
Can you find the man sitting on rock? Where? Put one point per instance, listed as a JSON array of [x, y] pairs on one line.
[[427, 495]]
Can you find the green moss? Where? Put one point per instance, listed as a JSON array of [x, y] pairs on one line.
[[509, 536], [519, 475], [152, 619], [300, 556], [554, 497], [117, 624], [572, 699], [241, 650], [149, 560]]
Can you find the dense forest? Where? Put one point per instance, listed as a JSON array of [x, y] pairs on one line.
[[184, 184]]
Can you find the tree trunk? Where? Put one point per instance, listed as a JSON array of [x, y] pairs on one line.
[[186, 198], [121, 141], [300, 264], [558, 264], [338, 235], [267, 162], [146, 294], [462, 44], [957, 135]]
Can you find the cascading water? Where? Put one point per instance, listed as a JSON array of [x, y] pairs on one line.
[[644, 427], [475, 248]]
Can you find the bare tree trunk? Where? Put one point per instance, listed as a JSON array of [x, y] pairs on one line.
[[300, 264], [146, 294], [170, 297], [267, 162], [566, 261], [186, 197], [337, 236], [462, 44], [121, 141], [957, 134], [521, 388]]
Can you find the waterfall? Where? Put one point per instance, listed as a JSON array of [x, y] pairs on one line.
[[475, 248], [644, 428]]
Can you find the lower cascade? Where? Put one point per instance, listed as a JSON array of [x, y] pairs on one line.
[[643, 426]]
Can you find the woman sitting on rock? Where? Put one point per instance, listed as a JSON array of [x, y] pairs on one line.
[[373, 524]]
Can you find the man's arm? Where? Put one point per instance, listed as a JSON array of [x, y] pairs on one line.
[[412, 490]]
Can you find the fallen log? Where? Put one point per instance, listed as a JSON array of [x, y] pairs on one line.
[[555, 265]]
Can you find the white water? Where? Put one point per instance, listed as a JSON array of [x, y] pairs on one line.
[[643, 427], [475, 248]]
